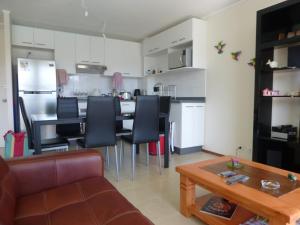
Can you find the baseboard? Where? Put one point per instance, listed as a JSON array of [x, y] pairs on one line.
[[183, 151], [212, 153]]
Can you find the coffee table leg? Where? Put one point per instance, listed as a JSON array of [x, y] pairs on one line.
[[187, 195]]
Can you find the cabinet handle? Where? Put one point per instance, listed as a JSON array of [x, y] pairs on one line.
[[26, 42], [96, 62], [84, 61], [4, 100], [182, 39], [174, 42], [190, 106], [40, 44], [126, 73]]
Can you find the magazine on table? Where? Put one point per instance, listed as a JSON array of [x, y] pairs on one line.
[[220, 207]]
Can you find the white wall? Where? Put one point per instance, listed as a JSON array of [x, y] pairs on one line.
[[188, 84], [230, 84]]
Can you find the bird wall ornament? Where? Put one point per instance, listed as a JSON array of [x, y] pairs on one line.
[[236, 55], [220, 47], [252, 62]]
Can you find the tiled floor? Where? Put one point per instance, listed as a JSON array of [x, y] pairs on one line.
[[157, 196]]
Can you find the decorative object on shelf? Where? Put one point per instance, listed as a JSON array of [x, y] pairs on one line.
[[270, 184], [267, 92], [252, 62], [236, 55], [234, 164], [281, 36], [272, 64], [291, 34], [292, 177], [220, 47]]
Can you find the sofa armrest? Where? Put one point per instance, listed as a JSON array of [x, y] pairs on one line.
[[38, 173]]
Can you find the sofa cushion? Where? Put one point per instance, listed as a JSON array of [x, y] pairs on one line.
[[7, 194], [91, 201]]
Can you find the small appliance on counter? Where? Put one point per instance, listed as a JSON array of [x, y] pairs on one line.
[[285, 132], [137, 92], [158, 89], [126, 95]]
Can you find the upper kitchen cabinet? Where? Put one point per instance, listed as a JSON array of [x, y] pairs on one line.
[[97, 50], [32, 37], [185, 39], [89, 49], [82, 48], [124, 57], [64, 51]]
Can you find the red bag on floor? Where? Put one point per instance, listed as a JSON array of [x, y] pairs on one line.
[[152, 146]]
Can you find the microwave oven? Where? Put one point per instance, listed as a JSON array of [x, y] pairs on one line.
[[180, 58]]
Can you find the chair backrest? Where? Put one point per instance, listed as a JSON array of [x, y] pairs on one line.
[[146, 119], [119, 124], [26, 122], [101, 122], [165, 107], [67, 108]]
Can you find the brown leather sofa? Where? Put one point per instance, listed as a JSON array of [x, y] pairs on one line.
[[62, 189]]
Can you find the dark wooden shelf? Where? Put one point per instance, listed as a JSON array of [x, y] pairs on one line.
[[283, 69], [281, 43], [279, 140], [282, 96]]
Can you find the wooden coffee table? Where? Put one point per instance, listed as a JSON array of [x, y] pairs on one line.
[[281, 207]]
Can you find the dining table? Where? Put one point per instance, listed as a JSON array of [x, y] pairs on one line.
[[39, 120]]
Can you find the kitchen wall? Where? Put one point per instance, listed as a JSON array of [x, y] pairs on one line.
[[92, 84], [230, 84], [188, 83]]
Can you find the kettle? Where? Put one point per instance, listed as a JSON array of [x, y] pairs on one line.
[[137, 92]]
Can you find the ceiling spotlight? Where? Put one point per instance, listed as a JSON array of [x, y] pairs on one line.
[[84, 6], [86, 13]]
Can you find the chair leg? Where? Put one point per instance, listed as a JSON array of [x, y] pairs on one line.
[[107, 157], [121, 152], [158, 155], [133, 152], [147, 153], [117, 162]]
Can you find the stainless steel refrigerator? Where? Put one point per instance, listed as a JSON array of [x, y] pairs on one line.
[[37, 86]]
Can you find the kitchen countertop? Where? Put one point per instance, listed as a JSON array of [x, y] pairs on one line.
[[177, 100], [188, 99]]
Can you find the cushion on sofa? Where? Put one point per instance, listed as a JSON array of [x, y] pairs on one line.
[[7, 194], [89, 202]]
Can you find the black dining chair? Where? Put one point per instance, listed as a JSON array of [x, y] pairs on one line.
[[120, 130], [100, 127], [164, 107], [145, 128], [68, 108], [47, 144]]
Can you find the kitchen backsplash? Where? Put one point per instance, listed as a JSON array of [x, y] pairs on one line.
[[95, 84]]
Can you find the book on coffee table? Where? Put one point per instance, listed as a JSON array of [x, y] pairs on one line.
[[220, 207]]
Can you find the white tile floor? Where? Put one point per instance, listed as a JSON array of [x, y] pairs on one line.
[[156, 196]]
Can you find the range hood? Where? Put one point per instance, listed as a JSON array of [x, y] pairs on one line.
[[91, 69]]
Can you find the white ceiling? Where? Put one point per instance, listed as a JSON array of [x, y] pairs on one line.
[[125, 19]]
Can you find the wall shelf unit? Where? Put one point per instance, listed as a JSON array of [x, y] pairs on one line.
[[283, 109]]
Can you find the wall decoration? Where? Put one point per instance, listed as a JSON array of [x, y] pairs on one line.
[[252, 62], [220, 47], [272, 64], [236, 55]]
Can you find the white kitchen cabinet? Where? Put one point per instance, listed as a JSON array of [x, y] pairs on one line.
[[32, 37], [155, 44], [189, 124], [82, 48], [180, 34], [64, 51], [97, 50], [127, 107], [43, 38], [124, 57], [22, 35]]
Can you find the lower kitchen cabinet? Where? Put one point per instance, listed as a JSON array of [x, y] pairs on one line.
[[189, 125]]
